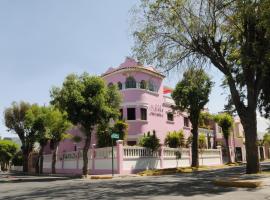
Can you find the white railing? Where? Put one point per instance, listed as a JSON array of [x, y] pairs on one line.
[[209, 153], [135, 151], [173, 152], [105, 152]]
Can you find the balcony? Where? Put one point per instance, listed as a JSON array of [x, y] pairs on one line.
[[206, 131]]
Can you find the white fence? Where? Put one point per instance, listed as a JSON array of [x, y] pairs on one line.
[[130, 159]]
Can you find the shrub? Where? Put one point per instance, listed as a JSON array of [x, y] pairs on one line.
[[175, 139], [202, 141], [104, 133], [150, 141], [18, 159]]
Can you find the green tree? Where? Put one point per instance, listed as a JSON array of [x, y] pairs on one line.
[[175, 139], [191, 94], [57, 130], [15, 121], [104, 133], [232, 36], [225, 121], [205, 120], [266, 138], [8, 150], [37, 121], [17, 159], [88, 102], [150, 141]]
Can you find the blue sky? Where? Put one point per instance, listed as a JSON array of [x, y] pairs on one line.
[[43, 41]]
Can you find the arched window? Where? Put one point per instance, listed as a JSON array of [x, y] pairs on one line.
[[143, 84], [120, 86], [151, 86], [130, 82]]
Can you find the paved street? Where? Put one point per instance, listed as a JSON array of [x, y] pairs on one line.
[[182, 186]]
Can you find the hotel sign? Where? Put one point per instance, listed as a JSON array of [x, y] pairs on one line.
[[156, 110]]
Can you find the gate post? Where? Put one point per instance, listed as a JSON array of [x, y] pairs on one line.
[[120, 156]]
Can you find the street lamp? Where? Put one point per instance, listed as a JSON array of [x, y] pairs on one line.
[[111, 124]]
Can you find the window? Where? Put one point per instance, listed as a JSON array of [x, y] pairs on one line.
[[143, 84], [186, 122], [121, 114], [170, 116], [131, 114], [110, 84], [130, 82], [151, 86], [120, 86], [143, 114]]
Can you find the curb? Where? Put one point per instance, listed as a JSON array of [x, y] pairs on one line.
[[101, 177], [238, 183]]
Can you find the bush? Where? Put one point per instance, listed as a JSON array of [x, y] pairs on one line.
[[202, 141], [18, 159], [175, 139], [104, 133], [150, 141]]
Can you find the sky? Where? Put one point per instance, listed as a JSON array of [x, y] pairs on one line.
[[43, 41]]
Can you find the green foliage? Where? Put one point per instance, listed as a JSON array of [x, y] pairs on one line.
[[104, 133], [150, 141], [202, 141], [266, 138], [17, 160], [205, 120], [232, 36], [225, 121], [36, 120], [121, 127], [87, 100], [8, 149], [175, 139], [192, 92], [15, 121]]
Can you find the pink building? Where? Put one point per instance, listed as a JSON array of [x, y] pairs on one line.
[[146, 104]]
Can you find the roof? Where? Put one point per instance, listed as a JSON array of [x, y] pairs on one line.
[[131, 63]]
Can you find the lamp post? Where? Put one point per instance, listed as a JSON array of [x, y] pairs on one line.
[[111, 124]]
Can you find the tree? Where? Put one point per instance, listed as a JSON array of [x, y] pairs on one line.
[[175, 139], [150, 141], [266, 139], [15, 121], [205, 120], [191, 94], [104, 133], [37, 121], [88, 102], [59, 125], [225, 121], [232, 36], [8, 150]]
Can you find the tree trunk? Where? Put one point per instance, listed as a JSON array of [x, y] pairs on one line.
[[250, 128], [41, 158], [55, 149], [25, 161], [195, 157], [228, 150], [85, 151]]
